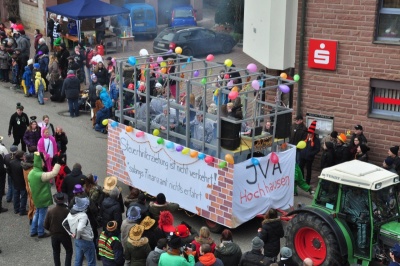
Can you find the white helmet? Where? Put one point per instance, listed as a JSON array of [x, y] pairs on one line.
[[143, 52]]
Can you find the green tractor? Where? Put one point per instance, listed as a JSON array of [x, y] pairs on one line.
[[353, 219]]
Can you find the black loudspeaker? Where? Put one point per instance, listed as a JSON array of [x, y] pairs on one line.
[[230, 135], [283, 124]]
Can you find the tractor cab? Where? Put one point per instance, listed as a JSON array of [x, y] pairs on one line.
[[357, 206]]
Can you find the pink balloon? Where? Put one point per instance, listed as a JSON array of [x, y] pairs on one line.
[[252, 67], [274, 158], [233, 95], [230, 84], [255, 84], [196, 73], [284, 88], [209, 159], [226, 76], [209, 57], [139, 134], [159, 59]]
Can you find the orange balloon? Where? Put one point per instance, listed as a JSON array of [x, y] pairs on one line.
[[129, 129], [163, 70], [235, 89], [194, 154], [229, 158], [284, 75]]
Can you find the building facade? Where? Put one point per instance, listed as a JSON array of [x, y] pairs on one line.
[[363, 85]]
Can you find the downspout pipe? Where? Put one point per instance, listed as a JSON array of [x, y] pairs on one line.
[[301, 56]]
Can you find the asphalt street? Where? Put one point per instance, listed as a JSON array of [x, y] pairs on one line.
[[88, 148]]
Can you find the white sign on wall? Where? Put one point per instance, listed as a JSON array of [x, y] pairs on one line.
[[258, 187], [154, 168]]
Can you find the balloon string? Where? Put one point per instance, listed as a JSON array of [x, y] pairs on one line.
[[154, 149]]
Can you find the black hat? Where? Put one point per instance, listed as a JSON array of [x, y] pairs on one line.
[[175, 242], [161, 198], [20, 107], [33, 118], [298, 117], [63, 45], [59, 198], [394, 150], [358, 127]]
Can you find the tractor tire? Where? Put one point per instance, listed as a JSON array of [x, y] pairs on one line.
[[213, 226], [310, 237]]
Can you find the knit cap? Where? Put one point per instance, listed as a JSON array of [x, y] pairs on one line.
[[286, 252], [311, 128], [394, 150], [257, 243]]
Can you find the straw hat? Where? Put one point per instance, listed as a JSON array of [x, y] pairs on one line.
[[110, 182], [147, 223], [136, 232]]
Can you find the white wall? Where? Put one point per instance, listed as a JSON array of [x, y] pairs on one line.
[[270, 32], [33, 17]]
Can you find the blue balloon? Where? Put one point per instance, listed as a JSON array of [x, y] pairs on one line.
[[132, 60], [114, 124], [255, 161], [183, 66], [188, 60], [201, 156], [170, 145]]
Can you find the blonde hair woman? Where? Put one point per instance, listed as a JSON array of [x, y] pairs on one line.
[[54, 70]]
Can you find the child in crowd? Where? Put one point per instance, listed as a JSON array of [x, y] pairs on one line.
[[4, 67], [14, 70]]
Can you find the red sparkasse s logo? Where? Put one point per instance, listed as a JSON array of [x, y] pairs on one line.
[[322, 54]]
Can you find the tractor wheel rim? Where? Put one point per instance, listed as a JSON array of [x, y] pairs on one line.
[[310, 244]]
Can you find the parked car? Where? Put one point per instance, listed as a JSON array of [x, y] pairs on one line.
[[143, 17], [183, 15], [193, 41]]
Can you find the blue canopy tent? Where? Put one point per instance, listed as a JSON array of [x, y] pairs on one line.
[[85, 9]]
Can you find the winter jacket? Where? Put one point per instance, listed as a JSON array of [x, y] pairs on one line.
[[102, 76], [44, 48], [39, 182], [31, 138], [17, 174], [115, 247], [342, 154], [114, 91], [46, 149], [110, 211], [54, 218], [125, 228], [92, 94], [71, 87], [228, 252], [198, 241], [155, 209], [298, 133], [62, 57], [4, 59], [202, 134], [56, 91], [24, 44], [39, 81], [74, 178], [137, 251], [62, 141], [362, 157], [18, 124], [36, 41], [309, 152], [105, 98], [78, 223], [254, 257], [154, 257], [287, 262], [44, 64], [209, 259], [103, 113], [54, 71], [271, 233], [328, 156], [27, 77], [173, 257]]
